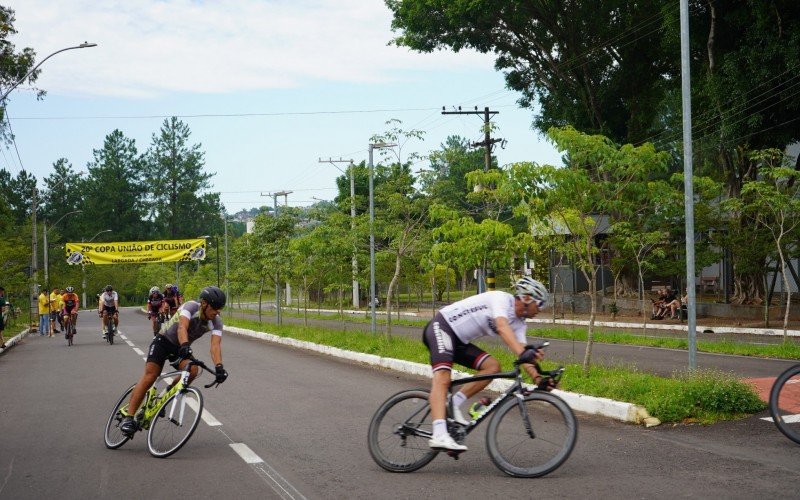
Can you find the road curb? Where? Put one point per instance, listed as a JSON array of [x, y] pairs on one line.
[[15, 339], [617, 410]]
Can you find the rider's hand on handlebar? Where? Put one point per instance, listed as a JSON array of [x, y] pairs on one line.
[[531, 355], [220, 373], [185, 351]]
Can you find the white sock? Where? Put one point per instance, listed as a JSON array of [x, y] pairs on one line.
[[459, 399], [439, 428]]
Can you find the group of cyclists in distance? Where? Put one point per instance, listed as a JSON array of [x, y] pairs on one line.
[[66, 304]]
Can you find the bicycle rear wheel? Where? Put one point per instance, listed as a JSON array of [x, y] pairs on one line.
[[553, 432], [114, 437], [784, 403], [399, 432], [175, 423]]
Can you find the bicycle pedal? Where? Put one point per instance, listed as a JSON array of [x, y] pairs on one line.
[[454, 454]]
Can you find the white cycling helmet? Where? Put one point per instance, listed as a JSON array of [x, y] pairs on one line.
[[154, 290], [69, 289], [532, 288]]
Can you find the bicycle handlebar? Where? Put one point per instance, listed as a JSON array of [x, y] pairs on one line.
[[196, 362]]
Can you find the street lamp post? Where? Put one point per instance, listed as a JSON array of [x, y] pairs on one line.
[[373, 323], [44, 244], [227, 283], [83, 267]]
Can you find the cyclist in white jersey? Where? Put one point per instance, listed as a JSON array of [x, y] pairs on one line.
[[448, 337], [108, 307]]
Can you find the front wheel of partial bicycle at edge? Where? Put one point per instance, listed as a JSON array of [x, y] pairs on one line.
[[175, 423], [531, 437], [784, 403], [114, 437], [399, 432]]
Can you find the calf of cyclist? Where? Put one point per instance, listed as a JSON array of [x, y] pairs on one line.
[[155, 301], [193, 320], [172, 299], [71, 305], [108, 307], [448, 337]]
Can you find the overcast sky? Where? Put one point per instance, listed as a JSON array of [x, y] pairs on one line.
[[266, 87]]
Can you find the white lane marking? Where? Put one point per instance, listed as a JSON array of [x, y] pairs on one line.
[[246, 453], [207, 417], [138, 351], [789, 419], [130, 343], [278, 483]]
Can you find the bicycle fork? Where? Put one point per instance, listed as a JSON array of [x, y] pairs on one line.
[[526, 421]]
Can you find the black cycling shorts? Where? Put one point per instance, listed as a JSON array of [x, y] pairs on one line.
[[109, 309], [162, 350], [445, 347]]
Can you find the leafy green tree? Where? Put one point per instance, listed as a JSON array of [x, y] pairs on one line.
[[573, 203], [576, 60], [177, 184], [267, 250], [773, 203], [17, 192], [13, 65], [63, 193], [445, 179], [114, 190]]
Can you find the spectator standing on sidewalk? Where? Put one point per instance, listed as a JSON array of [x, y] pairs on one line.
[[44, 312], [55, 309], [3, 305]]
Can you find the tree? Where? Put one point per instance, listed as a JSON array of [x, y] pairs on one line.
[[63, 194], [575, 203], [599, 66], [176, 183], [17, 192], [773, 202], [13, 65], [114, 190], [445, 179]]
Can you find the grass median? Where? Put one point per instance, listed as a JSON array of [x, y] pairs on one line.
[[700, 396]]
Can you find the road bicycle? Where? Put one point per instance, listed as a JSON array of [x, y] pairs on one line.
[[161, 318], [531, 432], [170, 412], [69, 329], [784, 403], [111, 329]]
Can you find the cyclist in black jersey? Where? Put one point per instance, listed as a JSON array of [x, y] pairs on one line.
[[193, 320]]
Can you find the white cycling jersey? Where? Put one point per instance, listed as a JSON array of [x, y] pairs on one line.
[[474, 317], [109, 299]]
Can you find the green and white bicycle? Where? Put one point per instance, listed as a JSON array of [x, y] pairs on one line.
[[170, 412]]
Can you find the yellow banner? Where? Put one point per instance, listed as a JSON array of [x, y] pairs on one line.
[[136, 252]]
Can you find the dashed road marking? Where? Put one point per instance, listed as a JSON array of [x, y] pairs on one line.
[[789, 419], [246, 453]]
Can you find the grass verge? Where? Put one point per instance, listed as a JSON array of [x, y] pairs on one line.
[[703, 396]]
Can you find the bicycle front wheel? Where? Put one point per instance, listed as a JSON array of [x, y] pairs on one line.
[[399, 432], [175, 423], [114, 437], [784, 403], [110, 335], [533, 436]]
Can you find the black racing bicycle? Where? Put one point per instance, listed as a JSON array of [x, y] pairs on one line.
[[784, 403], [531, 432]]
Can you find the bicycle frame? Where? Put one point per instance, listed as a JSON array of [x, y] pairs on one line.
[[515, 390], [153, 403]]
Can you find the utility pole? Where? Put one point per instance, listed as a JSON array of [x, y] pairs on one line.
[[34, 262], [274, 196], [352, 220], [487, 143]]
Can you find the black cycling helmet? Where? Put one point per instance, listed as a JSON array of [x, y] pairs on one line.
[[109, 288], [214, 296]]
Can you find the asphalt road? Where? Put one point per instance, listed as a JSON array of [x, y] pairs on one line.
[[306, 417]]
